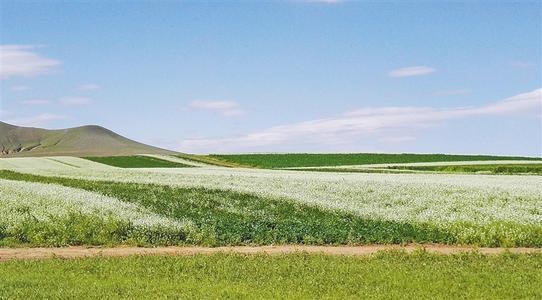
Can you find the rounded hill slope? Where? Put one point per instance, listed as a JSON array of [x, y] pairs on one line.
[[90, 140]]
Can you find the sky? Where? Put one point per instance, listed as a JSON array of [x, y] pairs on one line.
[[280, 76]]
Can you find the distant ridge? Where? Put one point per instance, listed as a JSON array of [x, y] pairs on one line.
[[90, 140]]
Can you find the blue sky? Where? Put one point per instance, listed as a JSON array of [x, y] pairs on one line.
[[280, 76]]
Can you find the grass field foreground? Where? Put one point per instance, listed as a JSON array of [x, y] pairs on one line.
[[387, 275]]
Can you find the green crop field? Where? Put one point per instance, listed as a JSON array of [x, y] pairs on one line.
[[294, 160], [295, 276], [492, 169], [136, 161]]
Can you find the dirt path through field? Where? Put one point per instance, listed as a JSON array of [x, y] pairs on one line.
[[78, 252]]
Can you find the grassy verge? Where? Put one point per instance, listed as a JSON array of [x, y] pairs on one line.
[[136, 162], [294, 160], [388, 275], [490, 169]]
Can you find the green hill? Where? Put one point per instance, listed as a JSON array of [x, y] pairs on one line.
[[88, 140]]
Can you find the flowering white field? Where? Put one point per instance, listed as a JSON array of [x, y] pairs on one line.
[[470, 206], [46, 201]]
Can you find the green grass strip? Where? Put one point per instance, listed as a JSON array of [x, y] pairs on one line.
[[389, 275], [137, 161]]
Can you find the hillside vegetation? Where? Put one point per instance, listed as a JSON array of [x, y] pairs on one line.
[[294, 160], [88, 140]]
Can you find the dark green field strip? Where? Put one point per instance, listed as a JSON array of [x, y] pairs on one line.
[[137, 161], [507, 169], [388, 275], [232, 218], [206, 159], [293, 160], [492, 169], [357, 170]]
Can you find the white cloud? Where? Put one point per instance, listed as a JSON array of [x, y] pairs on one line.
[[36, 102], [38, 120], [19, 88], [89, 87], [384, 123], [75, 101], [225, 108], [411, 71], [22, 61]]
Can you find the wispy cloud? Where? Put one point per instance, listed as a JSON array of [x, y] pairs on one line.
[[38, 120], [35, 102], [225, 108], [19, 88], [383, 123], [411, 71], [75, 101], [396, 139], [89, 87], [22, 61], [452, 92], [323, 1], [521, 64]]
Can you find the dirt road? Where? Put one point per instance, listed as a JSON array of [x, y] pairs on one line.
[[78, 252]]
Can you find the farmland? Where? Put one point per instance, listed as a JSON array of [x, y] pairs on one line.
[[296, 160], [178, 200], [234, 206], [492, 169], [509, 167]]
